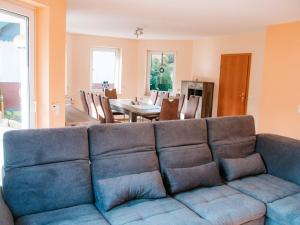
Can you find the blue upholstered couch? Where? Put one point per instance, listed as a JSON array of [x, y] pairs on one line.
[[150, 174]]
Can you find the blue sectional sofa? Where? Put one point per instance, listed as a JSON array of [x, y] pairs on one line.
[[214, 171]]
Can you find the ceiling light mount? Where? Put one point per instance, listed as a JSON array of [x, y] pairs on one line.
[[139, 32]]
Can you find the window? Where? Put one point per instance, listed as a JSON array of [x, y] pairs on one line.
[[16, 69], [161, 71], [16, 66], [105, 69]]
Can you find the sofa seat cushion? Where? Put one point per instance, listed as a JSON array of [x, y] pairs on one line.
[[86, 214], [265, 187], [164, 211], [223, 205], [260, 221], [272, 222], [286, 210]]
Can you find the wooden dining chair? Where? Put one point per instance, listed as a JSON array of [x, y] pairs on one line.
[[192, 106], [91, 105], [111, 93], [84, 102], [99, 108], [169, 109], [181, 98], [161, 95], [109, 117], [153, 97]]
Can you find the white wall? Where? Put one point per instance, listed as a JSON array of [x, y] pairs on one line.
[[206, 63]]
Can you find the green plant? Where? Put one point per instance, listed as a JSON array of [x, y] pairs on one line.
[[13, 115]]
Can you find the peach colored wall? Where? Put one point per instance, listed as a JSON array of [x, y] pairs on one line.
[[57, 59], [134, 62], [79, 50], [50, 30], [183, 51], [199, 58], [42, 68], [206, 63], [281, 93]]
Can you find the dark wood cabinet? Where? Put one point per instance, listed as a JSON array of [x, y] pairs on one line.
[[203, 89]]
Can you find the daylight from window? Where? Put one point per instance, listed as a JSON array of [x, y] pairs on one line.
[[162, 71], [105, 69], [13, 69], [14, 90]]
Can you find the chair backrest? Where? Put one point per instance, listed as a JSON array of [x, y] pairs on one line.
[[191, 108], [109, 117], [181, 98], [169, 109], [84, 102], [91, 105], [99, 108], [153, 97], [161, 95], [111, 93]]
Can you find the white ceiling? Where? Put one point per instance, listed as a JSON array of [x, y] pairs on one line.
[[177, 19]]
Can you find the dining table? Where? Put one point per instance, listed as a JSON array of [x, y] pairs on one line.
[[134, 108]]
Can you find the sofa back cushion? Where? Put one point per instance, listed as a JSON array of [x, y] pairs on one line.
[[231, 137], [118, 190], [184, 179], [181, 144], [46, 169], [242, 167], [118, 150]]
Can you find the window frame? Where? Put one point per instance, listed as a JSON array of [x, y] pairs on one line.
[[149, 56], [118, 70], [28, 13]]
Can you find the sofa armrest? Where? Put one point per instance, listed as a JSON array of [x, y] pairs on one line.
[[281, 156], [6, 217]]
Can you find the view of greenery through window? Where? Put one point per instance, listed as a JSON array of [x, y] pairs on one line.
[[162, 79]]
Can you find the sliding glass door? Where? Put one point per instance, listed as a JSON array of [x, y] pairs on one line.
[[16, 69], [16, 98]]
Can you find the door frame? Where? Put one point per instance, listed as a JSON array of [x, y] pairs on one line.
[[247, 79], [29, 13]]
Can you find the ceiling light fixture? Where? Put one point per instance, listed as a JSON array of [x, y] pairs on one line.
[[138, 32]]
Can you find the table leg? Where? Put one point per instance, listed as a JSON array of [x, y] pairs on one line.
[[132, 117]]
